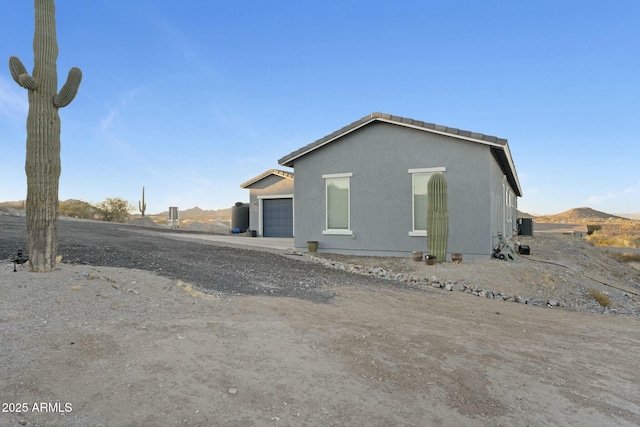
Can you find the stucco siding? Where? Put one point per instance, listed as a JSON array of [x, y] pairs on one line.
[[271, 185], [503, 214], [379, 157]]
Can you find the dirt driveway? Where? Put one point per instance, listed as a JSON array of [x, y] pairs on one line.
[[107, 346]]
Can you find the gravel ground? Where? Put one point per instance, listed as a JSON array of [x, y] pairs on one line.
[[214, 268], [554, 272], [284, 340]]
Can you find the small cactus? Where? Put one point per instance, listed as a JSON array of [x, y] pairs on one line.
[[142, 206], [437, 217]]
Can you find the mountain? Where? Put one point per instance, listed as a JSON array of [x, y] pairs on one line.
[[13, 205], [580, 215], [525, 215], [12, 208], [195, 213], [630, 215]]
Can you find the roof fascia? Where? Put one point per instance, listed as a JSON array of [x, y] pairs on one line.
[[393, 122], [315, 147], [262, 176]]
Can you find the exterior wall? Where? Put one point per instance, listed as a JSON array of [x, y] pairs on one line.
[[379, 156], [503, 214], [271, 185]]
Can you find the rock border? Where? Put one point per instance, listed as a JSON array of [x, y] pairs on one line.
[[449, 285]]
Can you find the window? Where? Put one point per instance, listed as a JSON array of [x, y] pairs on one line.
[[419, 184], [337, 203]]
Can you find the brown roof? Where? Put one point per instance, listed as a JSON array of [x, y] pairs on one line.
[[263, 175], [499, 146]]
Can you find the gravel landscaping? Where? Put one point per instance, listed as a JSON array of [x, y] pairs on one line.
[[134, 328]]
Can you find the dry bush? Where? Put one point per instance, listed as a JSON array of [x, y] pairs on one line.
[[625, 256], [602, 298], [597, 238], [191, 291]]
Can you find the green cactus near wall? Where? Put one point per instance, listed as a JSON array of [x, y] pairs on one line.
[[142, 206], [43, 136], [437, 216]]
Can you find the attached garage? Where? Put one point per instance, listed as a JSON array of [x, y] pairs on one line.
[[271, 203], [277, 217]]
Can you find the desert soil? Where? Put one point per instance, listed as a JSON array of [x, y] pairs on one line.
[[113, 346]]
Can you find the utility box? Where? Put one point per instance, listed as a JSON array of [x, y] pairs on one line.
[[525, 226], [524, 250], [174, 219]]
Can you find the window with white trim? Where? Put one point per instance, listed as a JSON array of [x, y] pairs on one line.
[[419, 184], [338, 215]]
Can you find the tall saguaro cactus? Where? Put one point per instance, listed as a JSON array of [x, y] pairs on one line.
[[43, 136], [437, 216], [142, 206]]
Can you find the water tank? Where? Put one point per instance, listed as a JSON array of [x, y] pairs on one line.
[[173, 212], [174, 218], [240, 216], [525, 226]]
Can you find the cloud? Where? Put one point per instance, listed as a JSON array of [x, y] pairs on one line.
[[13, 100], [107, 122], [612, 194], [107, 125]]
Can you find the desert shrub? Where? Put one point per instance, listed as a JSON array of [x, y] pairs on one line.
[[115, 209], [625, 256], [602, 298], [597, 238], [591, 228], [78, 209]]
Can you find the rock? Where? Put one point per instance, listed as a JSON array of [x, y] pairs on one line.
[[453, 286], [488, 294], [233, 390], [498, 297], [553, 303]]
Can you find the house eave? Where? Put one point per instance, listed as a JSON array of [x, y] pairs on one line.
[[499, 146], [276, 172]]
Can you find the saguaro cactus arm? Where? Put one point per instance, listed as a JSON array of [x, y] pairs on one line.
[[70, 88], [20, 75]]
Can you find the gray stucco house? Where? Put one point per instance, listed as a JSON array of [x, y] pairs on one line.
[[271, 203], [362, 189]]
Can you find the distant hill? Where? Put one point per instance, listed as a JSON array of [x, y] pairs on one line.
[[630, 215], [195, 213], [14, 205], [580, 215], [12, 208], [81, 209], [525, 215]]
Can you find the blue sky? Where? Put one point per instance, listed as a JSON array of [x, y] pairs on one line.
[[192, 98]]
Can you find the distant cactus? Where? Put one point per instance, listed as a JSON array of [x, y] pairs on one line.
[[437, 217], [43, 136], [142, 206]]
